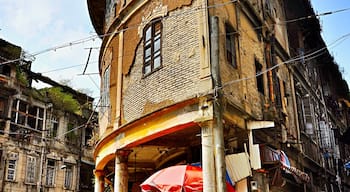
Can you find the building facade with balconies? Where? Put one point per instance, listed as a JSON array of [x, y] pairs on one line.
[[202, 81], [44, 133]]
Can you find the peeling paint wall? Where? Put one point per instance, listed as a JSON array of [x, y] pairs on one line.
[[177, 80], [132, 35], [240, 82]]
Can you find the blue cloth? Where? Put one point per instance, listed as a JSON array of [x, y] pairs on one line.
[[228, 179], [347, 165], [284, 159]]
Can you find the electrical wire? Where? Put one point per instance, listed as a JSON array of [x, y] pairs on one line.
[[83, 125], [175, 15], [307, 57], [316, 15], [64, 68], [194, 9], [299, 57]]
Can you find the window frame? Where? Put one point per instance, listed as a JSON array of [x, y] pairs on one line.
[[68, 176], [54, 126], [50, 173], [31, 170], [151, 44], [259, 77], [105, 93], [13, 158], [21, 115], [231, 41]]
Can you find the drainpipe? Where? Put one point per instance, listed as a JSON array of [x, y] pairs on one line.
[[208, 162], [269, 73], [4, 170], [39, 185], [43, 146], [79, 158], [219, 152]]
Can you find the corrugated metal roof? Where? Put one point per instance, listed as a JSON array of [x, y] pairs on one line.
[[238, 166]]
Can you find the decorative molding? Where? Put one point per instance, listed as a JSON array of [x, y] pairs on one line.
[[158, 11]]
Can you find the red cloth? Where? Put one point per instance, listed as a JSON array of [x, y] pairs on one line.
[[179, 178]]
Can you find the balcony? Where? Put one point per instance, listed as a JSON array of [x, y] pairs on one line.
[[311, 149], [7, 85]]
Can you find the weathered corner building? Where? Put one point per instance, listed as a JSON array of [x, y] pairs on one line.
[[203, 81], [43, 133]]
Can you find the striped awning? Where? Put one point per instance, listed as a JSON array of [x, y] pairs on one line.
[[299, 175]]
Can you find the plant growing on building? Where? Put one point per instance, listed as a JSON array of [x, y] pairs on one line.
[[62, 100], [21, 77]]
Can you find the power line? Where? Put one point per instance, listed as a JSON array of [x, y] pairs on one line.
[[317, 15], [305, 57], [80, 126], [194, 9], [64, 68], [175, 15]]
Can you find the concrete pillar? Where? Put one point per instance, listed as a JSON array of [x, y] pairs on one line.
[[8, 115], [121, 171], [99, 181], [208, 162]]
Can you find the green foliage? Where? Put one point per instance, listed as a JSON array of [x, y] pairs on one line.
[[21, 77], [62, 100]]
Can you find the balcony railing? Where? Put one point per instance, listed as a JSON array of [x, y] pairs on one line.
[[269, 155], [311, 149]]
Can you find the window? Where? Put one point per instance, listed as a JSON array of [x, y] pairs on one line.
[[2, 108], [5, 70], [50, 172], [259, 77], [110, 10], [308, 114], [31, 168], [54, 127], [27, 115], [72, 135], [152, 47], [87, 135], [231, 40], [11, 167], [105, 101], [68, 176], [2, 115]]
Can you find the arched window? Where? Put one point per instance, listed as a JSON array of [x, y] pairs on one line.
[[152, 47]]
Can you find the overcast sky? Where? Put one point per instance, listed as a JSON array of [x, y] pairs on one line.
[[37, 25]]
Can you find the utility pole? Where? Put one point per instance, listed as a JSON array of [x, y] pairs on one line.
[[218, 133]]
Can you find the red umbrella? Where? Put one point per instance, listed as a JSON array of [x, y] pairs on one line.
[[179, 178]]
